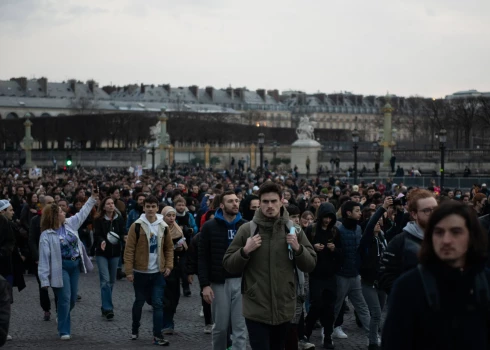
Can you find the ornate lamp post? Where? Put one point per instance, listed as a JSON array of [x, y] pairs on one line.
[[442, 146], [261, 148], [355, 141]]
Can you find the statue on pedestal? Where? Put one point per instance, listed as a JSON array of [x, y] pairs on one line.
[[305, 130]]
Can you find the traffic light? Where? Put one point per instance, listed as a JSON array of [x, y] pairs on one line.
[[68, 160]]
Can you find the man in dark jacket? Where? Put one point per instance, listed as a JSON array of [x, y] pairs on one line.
[[325, 238], [401, 254], [5, 299], [34, 235], [219, 288], [348, 278]]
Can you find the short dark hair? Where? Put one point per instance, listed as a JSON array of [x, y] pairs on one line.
[[141, 194], [355, 193], [150, 200], [112, 189], [477, 248], [270, 187], [349, 206], [293, 210], [226, 193]]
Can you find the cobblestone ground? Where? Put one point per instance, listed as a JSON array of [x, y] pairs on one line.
[[90, 331]]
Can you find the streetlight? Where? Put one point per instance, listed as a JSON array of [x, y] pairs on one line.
[[376, 156], [355, 140], [261, 148], [442, 146]]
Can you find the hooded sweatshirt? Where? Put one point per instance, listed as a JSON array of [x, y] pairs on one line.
[[328, 262], [153, 243], [231, 226]]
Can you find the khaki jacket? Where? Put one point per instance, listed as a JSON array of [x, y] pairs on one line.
[[136, 255], [268, 280]]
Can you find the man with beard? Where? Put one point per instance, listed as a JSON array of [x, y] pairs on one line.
[[135, 213], [401, 254], [219, 288]]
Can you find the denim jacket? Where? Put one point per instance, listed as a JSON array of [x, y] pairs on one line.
[[50, 262]]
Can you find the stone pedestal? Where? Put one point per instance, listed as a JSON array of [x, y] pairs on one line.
[[300, 151]]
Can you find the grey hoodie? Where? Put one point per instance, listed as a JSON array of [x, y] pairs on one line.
[[414, 229]]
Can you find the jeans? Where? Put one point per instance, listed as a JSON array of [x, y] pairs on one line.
[[267, 337], [67, 295], [227, 310], [156, 283], [351, 287], [375, 299], [107, 276]]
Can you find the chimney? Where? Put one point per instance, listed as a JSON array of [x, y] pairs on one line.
[[195, 91], [239, 93], [230, 92], [261, 93], [166, 87], [43, 83], [91, 85], [210, 92], [274, 94], [22, 81], [72, 83], [142, 88]]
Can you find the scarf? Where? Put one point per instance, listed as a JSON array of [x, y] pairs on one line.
[[174, 230]]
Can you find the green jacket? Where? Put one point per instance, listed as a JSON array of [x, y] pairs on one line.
[[268, 277]]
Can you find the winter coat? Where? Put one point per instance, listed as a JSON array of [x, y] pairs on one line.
[[5, 301], [328, 262], [50, 267], [191, 264], [350, 235], [212, 248], [102, 226], [268, 280], [371, 250], [460, 323], [34, 236], [401, 255], [136, 253]]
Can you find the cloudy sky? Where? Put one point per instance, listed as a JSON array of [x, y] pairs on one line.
[[407, 47]]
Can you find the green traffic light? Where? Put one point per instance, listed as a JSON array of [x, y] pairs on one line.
[[68, 162]]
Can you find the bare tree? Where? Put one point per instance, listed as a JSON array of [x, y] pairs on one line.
[[83, 104], [464, 114]]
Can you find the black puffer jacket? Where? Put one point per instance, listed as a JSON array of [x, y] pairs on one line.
[[328, 262], [101, 227], [212, 249]]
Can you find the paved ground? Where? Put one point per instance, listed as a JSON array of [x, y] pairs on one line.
[[90, 331]]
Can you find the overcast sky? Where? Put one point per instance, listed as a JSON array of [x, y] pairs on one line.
[[407, 47]]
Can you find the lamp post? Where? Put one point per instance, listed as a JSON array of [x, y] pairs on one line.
[[442, 146], [376, 156], [355, 141], [261, 148]]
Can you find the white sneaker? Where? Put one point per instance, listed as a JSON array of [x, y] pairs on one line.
[[201, 313], [339, 333], [379, 340], [9, 337], [208, 329], [65, 337]]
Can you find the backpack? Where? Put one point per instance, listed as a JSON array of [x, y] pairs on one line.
[[482, 291]]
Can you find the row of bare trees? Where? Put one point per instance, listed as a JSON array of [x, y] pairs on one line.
[[466, 119]]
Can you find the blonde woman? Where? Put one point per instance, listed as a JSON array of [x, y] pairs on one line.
[[62, 256]]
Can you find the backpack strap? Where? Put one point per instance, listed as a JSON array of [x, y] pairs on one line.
[[430, 287], [137, 229], [254, 229]]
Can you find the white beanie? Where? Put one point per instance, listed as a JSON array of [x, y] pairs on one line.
[[4, 204]]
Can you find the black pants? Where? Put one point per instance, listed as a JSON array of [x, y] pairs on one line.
[[183, 276], [323, 295], [206, 308], [44, 297], [267, 337]]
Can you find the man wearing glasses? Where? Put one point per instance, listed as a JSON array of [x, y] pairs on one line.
[[401, 254]]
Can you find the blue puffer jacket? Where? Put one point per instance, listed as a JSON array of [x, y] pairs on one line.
[[350, 235]]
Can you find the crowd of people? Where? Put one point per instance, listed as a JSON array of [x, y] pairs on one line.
[[276, 256]]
